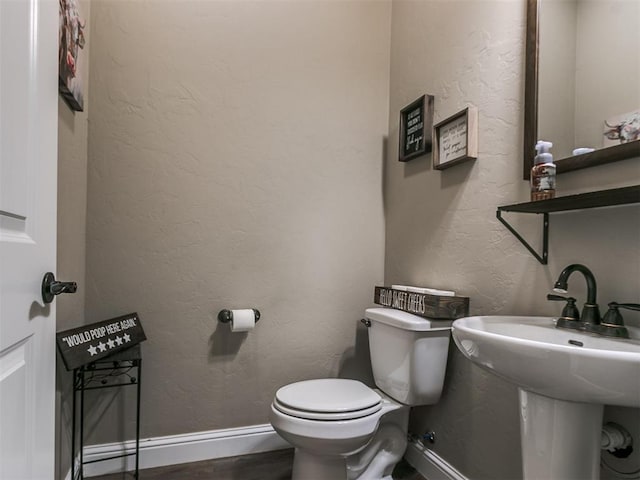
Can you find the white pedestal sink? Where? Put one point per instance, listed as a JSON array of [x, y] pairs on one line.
[[565, 377]]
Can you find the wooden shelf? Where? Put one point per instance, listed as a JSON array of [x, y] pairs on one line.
[[599, 156], [602, 198]]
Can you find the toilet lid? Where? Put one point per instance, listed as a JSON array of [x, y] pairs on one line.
[[329, 396]]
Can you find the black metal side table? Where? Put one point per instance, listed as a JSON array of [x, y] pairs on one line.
[[122, 369]]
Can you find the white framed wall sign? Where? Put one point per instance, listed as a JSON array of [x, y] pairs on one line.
[[455, 139]]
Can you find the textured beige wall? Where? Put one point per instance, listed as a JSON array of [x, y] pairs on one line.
[[71, 249], [607, 77], [441, 229], [557, 76], [236, 161], [72, 198], [586, 74], [236, 153]]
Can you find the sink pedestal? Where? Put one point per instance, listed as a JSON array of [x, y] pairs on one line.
[[560, 439]]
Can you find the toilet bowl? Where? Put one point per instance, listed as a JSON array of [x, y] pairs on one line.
[[342, 429], [329, 421]]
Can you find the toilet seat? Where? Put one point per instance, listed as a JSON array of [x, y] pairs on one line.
[[310, 415], [327, 399]]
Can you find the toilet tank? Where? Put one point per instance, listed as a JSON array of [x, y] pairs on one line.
[[408, 355]]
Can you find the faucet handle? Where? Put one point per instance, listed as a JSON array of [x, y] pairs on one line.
[[612, 322], [570, 311], [628, 306], [613, 316]]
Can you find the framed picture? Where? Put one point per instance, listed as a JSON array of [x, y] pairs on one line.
[[455, 139], [70, 57], [623, 128], [416, 120]]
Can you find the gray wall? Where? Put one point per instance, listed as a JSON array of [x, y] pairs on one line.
[[71, 249], [236, 153], [189, 214], [441, 229]]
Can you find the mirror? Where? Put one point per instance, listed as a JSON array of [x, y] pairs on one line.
[[582, 70]]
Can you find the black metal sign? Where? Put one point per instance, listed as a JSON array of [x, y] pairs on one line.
[[89, 343]]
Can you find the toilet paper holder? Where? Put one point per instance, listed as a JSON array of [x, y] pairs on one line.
[[226, 316]]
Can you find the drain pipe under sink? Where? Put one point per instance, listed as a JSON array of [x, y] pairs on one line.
[[616, 440]]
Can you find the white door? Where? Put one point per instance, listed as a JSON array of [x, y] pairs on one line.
[[28, 154]]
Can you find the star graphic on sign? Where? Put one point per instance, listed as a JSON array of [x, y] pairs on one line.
[[119, 340], [126, 337], [111, 343], [102, 347], [92, 350]]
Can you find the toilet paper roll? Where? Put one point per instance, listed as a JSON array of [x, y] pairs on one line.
[[243, 320]]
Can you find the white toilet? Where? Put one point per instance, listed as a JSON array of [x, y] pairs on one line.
[[342, 429]]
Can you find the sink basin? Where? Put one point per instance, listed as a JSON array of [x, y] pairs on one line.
[[559, 363], [565, 377]]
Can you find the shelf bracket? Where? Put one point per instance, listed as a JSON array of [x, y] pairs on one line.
[[545, 237]]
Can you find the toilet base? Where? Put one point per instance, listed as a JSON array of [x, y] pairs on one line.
[[374, 461], [310, 466], [378, 459]]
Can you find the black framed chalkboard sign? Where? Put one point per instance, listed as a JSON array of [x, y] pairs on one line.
[[415, 132]]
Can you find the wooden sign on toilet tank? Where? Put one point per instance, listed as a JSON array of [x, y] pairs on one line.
[[89, 343], [422, 304]]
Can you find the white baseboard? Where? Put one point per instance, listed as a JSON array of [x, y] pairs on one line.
[[231, 442], [429, 464], [185, 448]]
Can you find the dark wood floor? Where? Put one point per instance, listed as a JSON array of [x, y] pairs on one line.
[[260, 466]]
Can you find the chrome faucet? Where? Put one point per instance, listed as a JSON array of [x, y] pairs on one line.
[[590, 312]]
